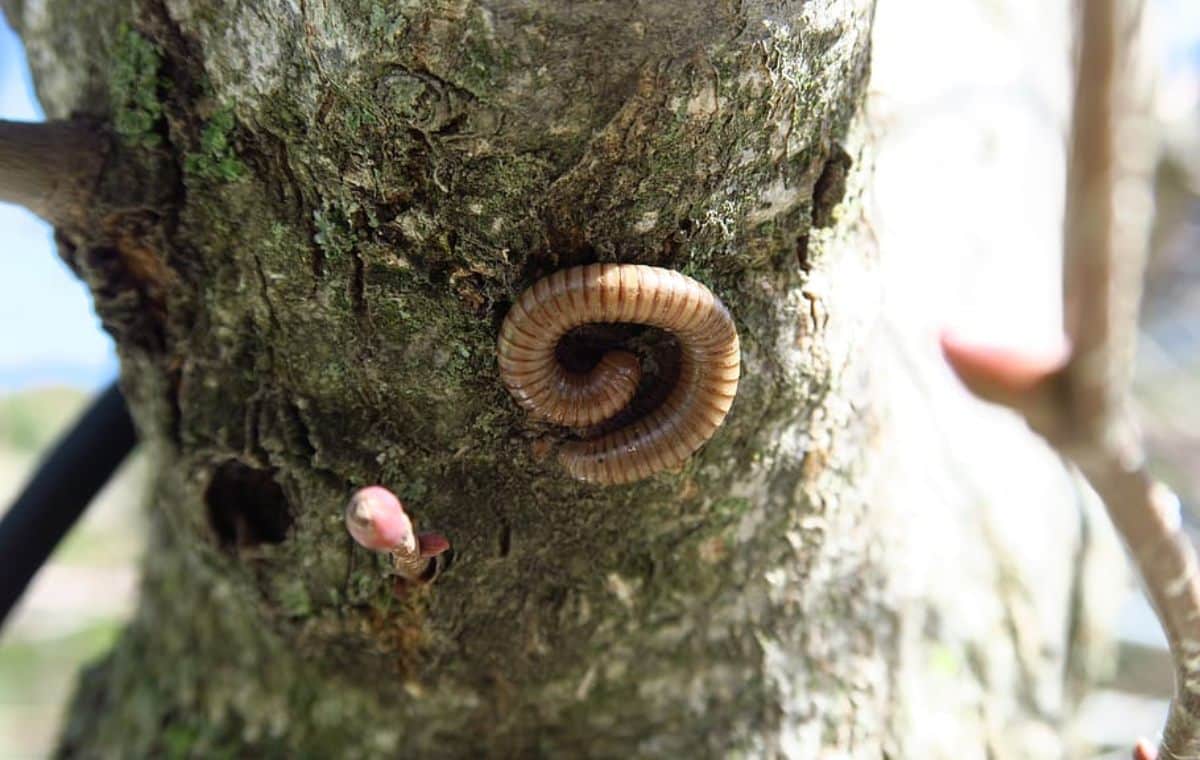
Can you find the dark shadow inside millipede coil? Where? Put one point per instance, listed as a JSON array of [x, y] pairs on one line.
[[582, 348], [658, 352]]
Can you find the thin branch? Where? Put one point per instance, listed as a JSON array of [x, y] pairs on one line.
[[50, 168], [1078, 400], [1087, 222]]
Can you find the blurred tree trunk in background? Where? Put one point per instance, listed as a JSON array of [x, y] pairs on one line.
[[312, 217]]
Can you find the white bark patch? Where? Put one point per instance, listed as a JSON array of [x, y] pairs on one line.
[[703, 104], [647, 222], [713, 551], [723, 218], [63, 56], [245, 58], [585, 685], [777, 198], [620, 588], [785, 67]]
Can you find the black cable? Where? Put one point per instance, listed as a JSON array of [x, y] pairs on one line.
[[78, 466]]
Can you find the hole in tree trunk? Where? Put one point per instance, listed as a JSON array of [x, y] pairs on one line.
[[246, 506]]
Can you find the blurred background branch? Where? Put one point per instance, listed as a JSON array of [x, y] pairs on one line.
[[1080, 401]]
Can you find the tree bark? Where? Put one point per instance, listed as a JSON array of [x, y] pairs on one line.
[[313, 218]]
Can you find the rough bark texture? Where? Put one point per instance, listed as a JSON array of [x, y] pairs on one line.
[[315, 214]]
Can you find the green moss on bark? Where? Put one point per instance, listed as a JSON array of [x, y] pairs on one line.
[[216, 159], [134, 84]]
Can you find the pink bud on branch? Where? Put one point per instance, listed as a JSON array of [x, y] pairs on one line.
[[998, 373], [376, 520], [1144, 751]]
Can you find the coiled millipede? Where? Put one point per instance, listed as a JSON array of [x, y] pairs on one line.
[[709, 366]]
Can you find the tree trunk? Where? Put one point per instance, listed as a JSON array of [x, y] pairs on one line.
[[313, 217]]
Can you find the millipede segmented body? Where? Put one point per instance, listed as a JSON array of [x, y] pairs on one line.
[[710, 363]]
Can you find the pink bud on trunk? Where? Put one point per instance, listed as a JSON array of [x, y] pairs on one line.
[[377, 521]]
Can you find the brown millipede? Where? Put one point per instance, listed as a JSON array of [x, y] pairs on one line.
[[666, 437]]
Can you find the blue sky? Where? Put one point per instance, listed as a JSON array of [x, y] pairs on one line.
[[1180, 28], [50, 333]]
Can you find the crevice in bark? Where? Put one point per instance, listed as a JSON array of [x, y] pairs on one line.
[[265, 285], [358, 295], [504, 539], [294, 418], [830, 187], [318, 266], [122, 300], [802, 253]]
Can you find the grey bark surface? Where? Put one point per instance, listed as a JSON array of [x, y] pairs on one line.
[[312, 219]]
